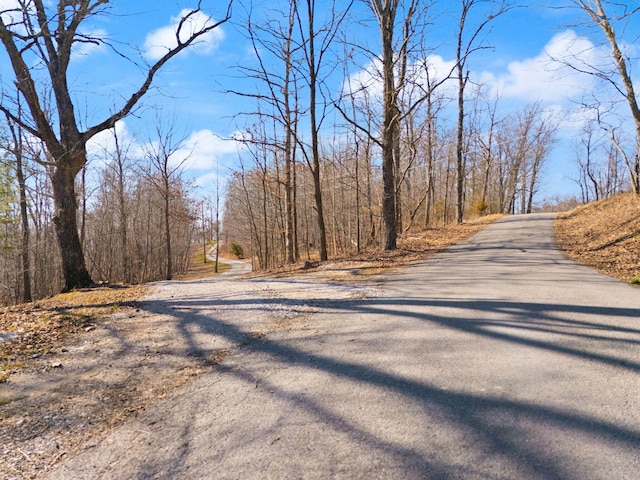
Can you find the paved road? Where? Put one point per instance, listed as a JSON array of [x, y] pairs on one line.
[[499, 359], [238, 267]]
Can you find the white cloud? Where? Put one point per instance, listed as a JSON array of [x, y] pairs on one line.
[[104, 141], [439, 70], [368, 79], [102, 147], [211, 180], [203, 150], [204, 154], [546, 77], [160, 41]]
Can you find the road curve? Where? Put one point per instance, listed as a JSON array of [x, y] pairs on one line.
[[498, 359]]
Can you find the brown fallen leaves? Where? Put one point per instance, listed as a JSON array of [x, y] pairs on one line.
[[37, 328], [412, 246], [604, 236]]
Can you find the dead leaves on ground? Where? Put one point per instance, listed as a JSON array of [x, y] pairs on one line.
[[604, 235], [36, 329], [413, 245]]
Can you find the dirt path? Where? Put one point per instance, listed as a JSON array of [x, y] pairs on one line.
[[499, 359]]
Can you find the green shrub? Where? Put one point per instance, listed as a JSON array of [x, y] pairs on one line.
[[635, 281], [236, 249]]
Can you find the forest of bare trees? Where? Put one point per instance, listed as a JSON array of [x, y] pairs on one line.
[[347, 144], [392, 159], [121, 223]]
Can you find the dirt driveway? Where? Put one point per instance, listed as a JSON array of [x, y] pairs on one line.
[[500, 359]]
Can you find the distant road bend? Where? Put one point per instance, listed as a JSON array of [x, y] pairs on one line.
[[498, 359]]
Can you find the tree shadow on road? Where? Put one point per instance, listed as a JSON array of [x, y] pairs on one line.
[[501, 430]]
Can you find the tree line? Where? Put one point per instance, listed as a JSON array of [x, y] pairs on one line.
[[137, 219], [332, 161], [34, 32], [335, 167]]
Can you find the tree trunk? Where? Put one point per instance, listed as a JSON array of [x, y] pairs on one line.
[[390, 120], [16, 133], [294, 208], [430, 158], [167, 232], [317, 195], [357, 175], [460, 155], [122, 208], [74, 268], [313, 118], [289, 146], [217, 226], [288, 202], [24, 216], [398, 180]]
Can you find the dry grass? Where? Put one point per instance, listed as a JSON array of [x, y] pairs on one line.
[[199, 269], [604, 235]]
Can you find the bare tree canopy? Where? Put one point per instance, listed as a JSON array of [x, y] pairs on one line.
[[605, 15], [40, 35]]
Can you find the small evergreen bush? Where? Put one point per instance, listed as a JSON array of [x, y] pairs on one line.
[[236, 249]]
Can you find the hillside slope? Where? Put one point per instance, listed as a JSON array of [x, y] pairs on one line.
[[604, 235]]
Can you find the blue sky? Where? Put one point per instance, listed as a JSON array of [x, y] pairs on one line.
[[192, 86]]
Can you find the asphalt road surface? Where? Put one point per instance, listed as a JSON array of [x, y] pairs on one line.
[[499, 359]]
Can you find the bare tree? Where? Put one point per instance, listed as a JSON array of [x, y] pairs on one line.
[[599, 160], [277, 40], [49, 31], [401, 62], [394, 59], [586, 164], [117, 175], [316, 42], [164, 171], [465, 47], [18, 151], [605, 15], [386, 12]]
